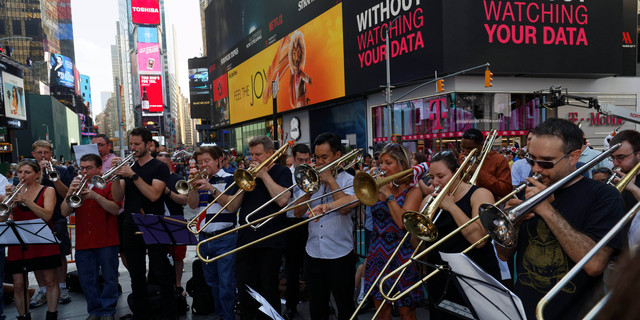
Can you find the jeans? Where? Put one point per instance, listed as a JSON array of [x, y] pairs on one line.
[[2, 258], [220, 274], [89, 263]]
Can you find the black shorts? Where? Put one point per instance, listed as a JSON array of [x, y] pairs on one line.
[[61, 230], [39, 263]]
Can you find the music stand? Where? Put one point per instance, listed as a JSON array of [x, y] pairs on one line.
[[483, 292], [158, 229], [23, 233]]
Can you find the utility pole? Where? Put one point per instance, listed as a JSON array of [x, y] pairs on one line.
[[388, 88], [120, 132]]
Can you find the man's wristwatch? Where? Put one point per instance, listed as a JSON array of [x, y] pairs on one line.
[[390, 198], [135, 177]]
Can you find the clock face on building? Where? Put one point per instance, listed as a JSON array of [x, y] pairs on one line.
[[294, 130]]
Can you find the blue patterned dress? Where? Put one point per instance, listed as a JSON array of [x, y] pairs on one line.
[[386, 236]]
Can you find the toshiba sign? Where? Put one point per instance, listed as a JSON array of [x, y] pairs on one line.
[[145, 12]]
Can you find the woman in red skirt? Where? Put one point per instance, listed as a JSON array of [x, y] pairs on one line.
[[34, 201]]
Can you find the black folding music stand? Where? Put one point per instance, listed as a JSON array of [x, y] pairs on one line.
[[488, 298], [23, 233], [158, 229]]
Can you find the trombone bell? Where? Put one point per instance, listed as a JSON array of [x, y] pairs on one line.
[[244, 179], [307, 178], [498, 225], [420, 226]]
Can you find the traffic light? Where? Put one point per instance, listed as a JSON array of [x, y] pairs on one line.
[[440, 85], [488, 80]]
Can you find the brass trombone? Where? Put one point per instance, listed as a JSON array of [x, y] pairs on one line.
[[101, 181], [499, 224], [184, 186], [366, 187], [308, 180], [613, 176], [305, 183], [486, 148], [603, 242], [8, 203], [245, 179], [74, 200]]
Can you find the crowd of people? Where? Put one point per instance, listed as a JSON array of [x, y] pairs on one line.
[[556, 234]]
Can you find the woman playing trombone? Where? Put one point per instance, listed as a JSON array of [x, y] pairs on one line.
[[458, 208], [33, 201], [395, 198]]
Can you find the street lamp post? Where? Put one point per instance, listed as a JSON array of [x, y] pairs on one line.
[[388, 87], [47, 136]]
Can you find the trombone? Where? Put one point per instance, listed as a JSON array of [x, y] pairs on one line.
[[308, 180], [613, 176], [51, 172], [301, 181], [245, 179], [486, 148], [184, 186], [499, 224], [74, 200], [580, 264], [7, 203], [101, 181]]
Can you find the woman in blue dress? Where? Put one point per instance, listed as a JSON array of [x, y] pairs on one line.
[[395, 198]]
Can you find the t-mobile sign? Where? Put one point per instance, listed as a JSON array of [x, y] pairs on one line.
[[152, 86]]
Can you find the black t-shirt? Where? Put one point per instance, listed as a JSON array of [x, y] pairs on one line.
[[134, 200], [256, 198], [629, 199], [174, 208], [592, 208]]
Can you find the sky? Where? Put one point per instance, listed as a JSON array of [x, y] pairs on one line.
[[94, 31]]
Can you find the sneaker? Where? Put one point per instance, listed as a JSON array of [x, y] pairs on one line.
[[64, 296], [38, 299]]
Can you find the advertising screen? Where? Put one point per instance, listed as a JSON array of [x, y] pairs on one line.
[[299, 62], [148, 34], [149, 58], [153, 86], [145, 12], [535, 37], [60, 70], [220, 101], [14, 94]]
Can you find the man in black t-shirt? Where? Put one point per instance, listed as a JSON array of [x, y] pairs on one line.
[[258, 266], [563, 227], [143, 185], [625, 158]]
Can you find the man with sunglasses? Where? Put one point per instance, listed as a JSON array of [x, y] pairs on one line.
[[563, 227], [625, 158], [495, 174]]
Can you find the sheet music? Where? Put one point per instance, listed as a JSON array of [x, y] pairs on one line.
[[489, 302], [33, 231]]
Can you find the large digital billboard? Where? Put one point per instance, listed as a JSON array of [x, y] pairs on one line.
[[220, 101], [145, 12], [149, 58], [299, 62], [148, 34], [199, 89], [14, 94], [60, 70], [152, 85]]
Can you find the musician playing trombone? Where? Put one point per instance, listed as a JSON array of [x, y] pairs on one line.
[[495, 174], [458, 208], [220, 275], [330, 262], [96, 238], [258, 266], [563, 227], [625, 158], [394, 199]]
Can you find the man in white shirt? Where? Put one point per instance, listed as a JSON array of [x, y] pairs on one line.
[[330, 262]]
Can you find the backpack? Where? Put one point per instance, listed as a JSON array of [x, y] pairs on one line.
[[198, 288]]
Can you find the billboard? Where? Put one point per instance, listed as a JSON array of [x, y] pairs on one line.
[[220, 101], [299, 62], [534, 37], [14, 95], [148, 34], [149, 58], [145, 12], [60, 70], [152, 84], [199, 89]]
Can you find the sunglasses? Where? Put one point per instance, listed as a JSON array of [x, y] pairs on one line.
[[545, 164]]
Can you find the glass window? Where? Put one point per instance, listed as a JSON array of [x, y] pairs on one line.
[[17, 28]]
